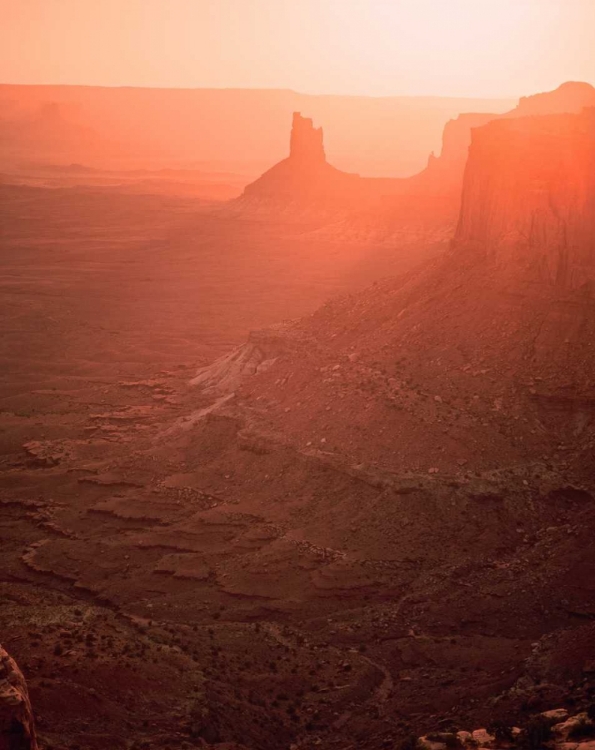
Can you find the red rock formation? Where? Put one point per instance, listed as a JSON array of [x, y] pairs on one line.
[[447, 169], [508, 315], [306, 179], [17, 729], [456, 137], [529, 199], [306, 141]]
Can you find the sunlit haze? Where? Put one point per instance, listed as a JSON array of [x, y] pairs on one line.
[[297, 374], [483, 48]]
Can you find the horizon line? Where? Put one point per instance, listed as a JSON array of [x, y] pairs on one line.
[[271, 89]]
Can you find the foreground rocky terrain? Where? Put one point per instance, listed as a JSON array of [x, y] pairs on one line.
[[371, 524]]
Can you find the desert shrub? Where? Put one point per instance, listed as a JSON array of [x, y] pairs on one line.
[[451, 740], [536, 734]]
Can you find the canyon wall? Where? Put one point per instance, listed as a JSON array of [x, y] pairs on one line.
[[528, 205], [457, 137], [571, 97]]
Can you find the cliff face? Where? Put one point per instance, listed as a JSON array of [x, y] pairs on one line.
[[456, 137], [446, 171], [528, 204], [17, 730]]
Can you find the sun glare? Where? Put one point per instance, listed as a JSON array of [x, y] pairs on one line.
[[375, 47]]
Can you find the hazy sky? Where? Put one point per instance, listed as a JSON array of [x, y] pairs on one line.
[[378, 47]]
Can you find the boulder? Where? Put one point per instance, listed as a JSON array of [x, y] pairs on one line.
[[17, 726]]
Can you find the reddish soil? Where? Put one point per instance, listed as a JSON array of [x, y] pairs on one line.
[[373, 521], [109, 302]]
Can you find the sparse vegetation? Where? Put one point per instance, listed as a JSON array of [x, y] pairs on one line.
[[502, 732]]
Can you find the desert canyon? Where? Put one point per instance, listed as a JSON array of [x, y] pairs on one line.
[[297, 456]]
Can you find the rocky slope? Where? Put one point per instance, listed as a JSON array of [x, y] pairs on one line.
[[17, 725], [505, 322], [555, 728], [432, 437]]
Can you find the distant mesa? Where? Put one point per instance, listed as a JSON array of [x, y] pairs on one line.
[[52, 127], [571, 97]]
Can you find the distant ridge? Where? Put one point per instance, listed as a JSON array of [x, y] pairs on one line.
[[237, 130]]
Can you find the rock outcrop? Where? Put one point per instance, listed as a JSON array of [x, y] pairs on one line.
[[306, 141], [17, 726], [553, 729], [256, 355], [306, 182], [303, 180]]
